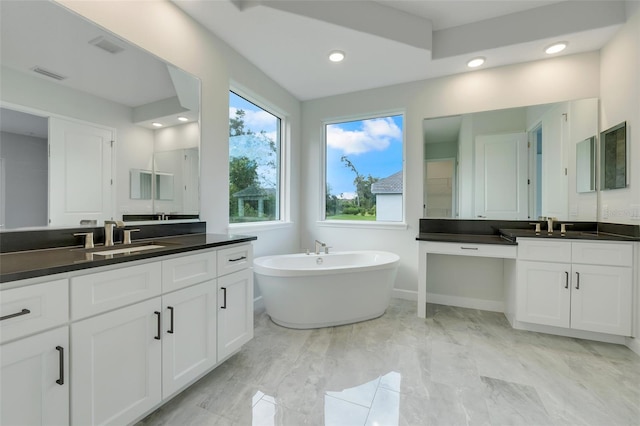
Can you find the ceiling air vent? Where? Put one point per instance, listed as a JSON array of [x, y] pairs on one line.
[[48, 73], [105, 44]]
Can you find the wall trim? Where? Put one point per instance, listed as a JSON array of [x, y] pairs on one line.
[[633, 344], [399, 293], [466, 302], [258, 304]]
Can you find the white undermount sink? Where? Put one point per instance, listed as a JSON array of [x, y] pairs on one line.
[[126, 250]]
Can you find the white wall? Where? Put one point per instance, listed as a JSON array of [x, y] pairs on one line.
[[552, 80], [26, 165], [192, 48], [620, 101]]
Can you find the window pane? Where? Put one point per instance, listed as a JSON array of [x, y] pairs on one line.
[[254, 162], [364, 170]]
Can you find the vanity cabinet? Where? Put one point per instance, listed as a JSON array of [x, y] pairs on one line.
[[188, 335], [116, 365], [580, 285], [35, 359], [35, 380], [235, 299], [128, 360]]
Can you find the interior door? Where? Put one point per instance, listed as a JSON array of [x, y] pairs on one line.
[[501, 176], [439, 188], [80, 172]]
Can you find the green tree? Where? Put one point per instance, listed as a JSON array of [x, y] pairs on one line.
[[365, 198], [243, 173], [236, 124]]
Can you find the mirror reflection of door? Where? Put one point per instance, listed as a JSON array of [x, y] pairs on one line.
[[439, 195], [501, 176], [80, 172]]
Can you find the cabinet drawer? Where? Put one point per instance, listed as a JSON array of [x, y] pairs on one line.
[[233, 259], [26, 310], [103, 291], [544, 250], [603, 253], [465, 249], [188, 270]]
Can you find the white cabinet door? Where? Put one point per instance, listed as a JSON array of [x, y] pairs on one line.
[[235, 311], [80, 172], [116, 369], [501, 176], [189, 335], [35, 380], [544, 293], [601, 299]]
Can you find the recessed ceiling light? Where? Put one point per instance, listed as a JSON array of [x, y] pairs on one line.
[[476, 62], [556, 47], [183, 118], [156, 124], [336, 56]]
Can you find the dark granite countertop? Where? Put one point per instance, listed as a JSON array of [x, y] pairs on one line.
[[20, 265], [465, 238], [570, 235], [508, 231]]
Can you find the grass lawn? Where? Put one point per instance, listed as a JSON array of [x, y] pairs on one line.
[[351, 217]]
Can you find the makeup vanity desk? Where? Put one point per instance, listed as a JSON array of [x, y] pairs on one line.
[[579, 283]]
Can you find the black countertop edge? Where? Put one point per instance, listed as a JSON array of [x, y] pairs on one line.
[[33, 264], [466, 238]]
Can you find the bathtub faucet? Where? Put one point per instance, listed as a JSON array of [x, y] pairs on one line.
[[319, 244]]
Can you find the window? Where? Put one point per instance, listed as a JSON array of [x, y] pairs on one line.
[[364, 177], [254, 162]]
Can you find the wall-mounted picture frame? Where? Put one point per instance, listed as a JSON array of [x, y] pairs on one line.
[[613, 157]]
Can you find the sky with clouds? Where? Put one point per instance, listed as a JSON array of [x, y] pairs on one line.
[[374, 146]]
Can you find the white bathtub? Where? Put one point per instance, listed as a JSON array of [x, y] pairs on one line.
[[312, 291]]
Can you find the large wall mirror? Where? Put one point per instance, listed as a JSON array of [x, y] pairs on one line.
[[513, 164], [67, 90]]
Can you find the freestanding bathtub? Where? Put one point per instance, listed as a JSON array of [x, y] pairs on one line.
[[313, 291]]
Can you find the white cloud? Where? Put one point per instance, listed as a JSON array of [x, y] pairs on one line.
[[256, 120], [375, 135]]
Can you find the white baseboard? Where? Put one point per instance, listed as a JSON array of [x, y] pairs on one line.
[[258, 304], [633, 344], [465, 302], [568, 332], [405, 294]]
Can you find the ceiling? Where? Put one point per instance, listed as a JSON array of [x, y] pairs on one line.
[[396, 41]]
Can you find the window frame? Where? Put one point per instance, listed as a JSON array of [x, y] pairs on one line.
[[283, 175], [377, 224]]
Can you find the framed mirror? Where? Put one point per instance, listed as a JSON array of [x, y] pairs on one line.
[[613, 153], [120, 103], [586, 165]]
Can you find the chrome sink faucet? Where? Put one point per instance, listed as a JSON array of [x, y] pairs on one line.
[[108, 230], [319, 244]]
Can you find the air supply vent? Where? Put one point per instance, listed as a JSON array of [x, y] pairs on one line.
[[107, 45], [48, 73]]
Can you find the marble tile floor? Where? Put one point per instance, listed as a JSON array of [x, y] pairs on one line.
[[457, 367]]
